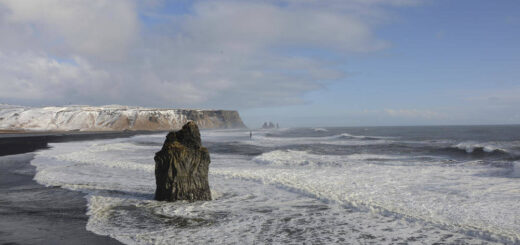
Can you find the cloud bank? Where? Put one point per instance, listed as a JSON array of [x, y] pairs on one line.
[[211, 54]]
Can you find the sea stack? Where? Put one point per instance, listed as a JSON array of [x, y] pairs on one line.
[[181, 167]]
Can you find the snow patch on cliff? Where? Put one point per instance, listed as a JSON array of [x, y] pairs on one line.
[[110, 118]]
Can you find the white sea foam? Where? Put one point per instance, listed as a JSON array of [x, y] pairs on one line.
[[248, 213], [296, 158], [347, 135], [449, 196], [277, 198], [470, 147], [260, 139], [303, 158], [320, 130]]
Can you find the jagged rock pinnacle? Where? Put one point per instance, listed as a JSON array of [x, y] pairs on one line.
[[181, 167]]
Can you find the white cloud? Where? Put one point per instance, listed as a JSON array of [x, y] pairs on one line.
[[35, 77], [97, 28], [232, 54], [247, 26]]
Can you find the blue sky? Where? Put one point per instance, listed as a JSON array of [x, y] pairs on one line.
[[299, 63], [441, 55]]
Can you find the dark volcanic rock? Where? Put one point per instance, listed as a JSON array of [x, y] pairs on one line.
[[181, 167], [270, 125]]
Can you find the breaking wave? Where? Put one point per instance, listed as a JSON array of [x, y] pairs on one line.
[[350, 136], [303, 158], [470, 147], [484, 150], [320, 130]]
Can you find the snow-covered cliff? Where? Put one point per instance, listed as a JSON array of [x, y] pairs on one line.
[[111, 118]]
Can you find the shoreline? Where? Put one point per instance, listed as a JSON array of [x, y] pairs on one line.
[[31, 213], [15, 143]]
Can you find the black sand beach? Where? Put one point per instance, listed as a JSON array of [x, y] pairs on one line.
[[34, 214]]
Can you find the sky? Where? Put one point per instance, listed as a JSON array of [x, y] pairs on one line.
[[295, 62]]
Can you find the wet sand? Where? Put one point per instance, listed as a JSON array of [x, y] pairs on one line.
[[34, 214]]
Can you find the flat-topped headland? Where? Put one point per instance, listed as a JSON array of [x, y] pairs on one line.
[[111, 118]]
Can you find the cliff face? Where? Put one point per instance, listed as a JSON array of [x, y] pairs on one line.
[[112, 118]]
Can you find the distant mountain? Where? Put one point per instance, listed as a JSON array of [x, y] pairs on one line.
[[111, 118]]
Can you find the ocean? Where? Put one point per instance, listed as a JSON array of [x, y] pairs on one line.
[[348, 185]]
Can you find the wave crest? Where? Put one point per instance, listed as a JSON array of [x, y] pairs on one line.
[[320, 130], [363, 137], [296, 158], [303, 158], [476, 148]]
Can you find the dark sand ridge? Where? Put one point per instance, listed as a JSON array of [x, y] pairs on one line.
[[34, 214], [16, 143]]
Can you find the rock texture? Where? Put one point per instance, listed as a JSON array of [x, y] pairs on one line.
[[181, 167], [112, 118]]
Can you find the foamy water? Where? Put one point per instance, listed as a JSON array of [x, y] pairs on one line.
[[291, 193]]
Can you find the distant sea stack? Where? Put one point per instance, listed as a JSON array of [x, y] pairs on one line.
[[112, 118], [181, 167], [270, 125]]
